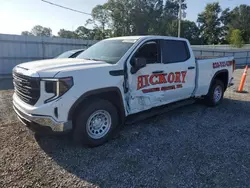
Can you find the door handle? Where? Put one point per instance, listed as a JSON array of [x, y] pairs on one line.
[[158, 72], [191, 68]]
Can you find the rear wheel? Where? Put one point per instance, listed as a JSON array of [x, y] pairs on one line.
[[96, 123], [215, 94]]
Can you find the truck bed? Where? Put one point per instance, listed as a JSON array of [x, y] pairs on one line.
[[207, 67]]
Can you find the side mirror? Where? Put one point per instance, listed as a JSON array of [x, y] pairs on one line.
[[137, 64]]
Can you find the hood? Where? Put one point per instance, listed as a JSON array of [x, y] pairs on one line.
[[50, 67]]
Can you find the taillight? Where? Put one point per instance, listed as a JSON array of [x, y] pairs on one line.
[[234, 65]]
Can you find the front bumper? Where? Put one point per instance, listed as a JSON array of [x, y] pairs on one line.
[[44, 121]]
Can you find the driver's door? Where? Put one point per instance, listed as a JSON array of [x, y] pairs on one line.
[[144, 85]]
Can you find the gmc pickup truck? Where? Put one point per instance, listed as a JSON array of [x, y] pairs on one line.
[[92, 95]]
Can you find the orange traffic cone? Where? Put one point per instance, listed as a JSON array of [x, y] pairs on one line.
[[243, 79]]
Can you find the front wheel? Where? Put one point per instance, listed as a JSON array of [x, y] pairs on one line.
[[215, 94], [96, 123]]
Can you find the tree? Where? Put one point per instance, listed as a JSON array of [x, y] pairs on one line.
[[67, 34], [100, 19], [92, 34], [190, 31], [210, 23], [236, 39], [101, 14], [41, 31], [240, 19], [169, 18], [83, 33], [140, 17], [26, 33], [225, 19], [120, 16]]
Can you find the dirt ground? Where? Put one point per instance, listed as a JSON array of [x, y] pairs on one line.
[[194, 146]]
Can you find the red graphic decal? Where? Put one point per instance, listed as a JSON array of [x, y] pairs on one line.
[[142, 81], [167, 88], [139, 82], [155, 79], [179, 86], [146, 80], [162, 78], [151, 90], [171, 77], [222, 64], [183, 74], [229, 63], [177, 77]]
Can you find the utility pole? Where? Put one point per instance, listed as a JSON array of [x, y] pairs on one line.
[[179, 21]]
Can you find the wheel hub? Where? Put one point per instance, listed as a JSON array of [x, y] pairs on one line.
[[217, 93], [98, 124]]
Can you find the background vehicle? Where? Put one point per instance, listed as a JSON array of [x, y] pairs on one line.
[[70, 53], [93, 94]]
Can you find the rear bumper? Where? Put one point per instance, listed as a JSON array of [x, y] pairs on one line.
[[42, 122]]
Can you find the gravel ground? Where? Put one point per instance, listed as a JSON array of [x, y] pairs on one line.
[[194, 146]]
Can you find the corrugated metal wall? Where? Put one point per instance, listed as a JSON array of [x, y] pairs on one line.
[[16, 49], [241, 56], [223, 46]]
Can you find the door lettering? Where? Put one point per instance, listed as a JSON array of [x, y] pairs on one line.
[[144, 81]]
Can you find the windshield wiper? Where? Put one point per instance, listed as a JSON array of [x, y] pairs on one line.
[[93, 59]]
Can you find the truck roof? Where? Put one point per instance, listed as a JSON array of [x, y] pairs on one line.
[[145, 37]]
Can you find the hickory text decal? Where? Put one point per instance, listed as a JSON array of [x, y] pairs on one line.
[[177, 78]]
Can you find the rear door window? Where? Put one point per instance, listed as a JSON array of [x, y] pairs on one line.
[[175, 51]]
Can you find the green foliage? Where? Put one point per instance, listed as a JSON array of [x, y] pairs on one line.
[[241, 20], [101, 15], [236, 39], [191, 32], [38, 31], [100, 20], [210, 23], [83, 33], [27, 33], [67, 34], [141, 17], [159, 17], [41, 31]]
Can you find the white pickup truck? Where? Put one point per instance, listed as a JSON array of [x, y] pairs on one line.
[[93, 94]]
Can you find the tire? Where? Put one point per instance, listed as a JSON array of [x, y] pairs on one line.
[[215, 94], [96, 123]]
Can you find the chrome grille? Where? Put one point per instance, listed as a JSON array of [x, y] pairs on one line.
[[26, 88]]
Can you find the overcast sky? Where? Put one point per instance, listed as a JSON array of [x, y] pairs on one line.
[[20, 15]]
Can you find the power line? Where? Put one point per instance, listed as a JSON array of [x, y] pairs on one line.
[[78, 11]]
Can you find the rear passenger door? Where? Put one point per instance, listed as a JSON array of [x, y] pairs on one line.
[[180, 69]]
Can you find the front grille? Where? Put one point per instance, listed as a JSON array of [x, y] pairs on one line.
[[26, 88]]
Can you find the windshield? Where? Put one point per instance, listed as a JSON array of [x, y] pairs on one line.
[[110, 51]]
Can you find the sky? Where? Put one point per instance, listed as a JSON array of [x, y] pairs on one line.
[[21, 15]]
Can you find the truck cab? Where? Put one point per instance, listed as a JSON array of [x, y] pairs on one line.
[[92, 95]]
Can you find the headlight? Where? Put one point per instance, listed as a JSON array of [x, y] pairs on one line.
[[57, 87]]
